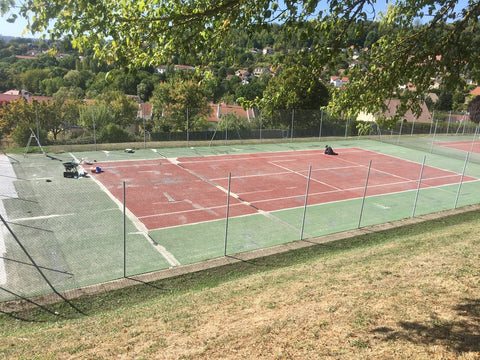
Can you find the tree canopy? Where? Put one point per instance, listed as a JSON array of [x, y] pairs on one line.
[[417, 42]]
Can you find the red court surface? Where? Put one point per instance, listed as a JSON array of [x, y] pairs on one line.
[[469, 146], [172, 192]]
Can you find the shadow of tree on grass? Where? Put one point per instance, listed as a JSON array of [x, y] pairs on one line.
[[460, 335]]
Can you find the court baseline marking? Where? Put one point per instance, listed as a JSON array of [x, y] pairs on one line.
[[136, 222]]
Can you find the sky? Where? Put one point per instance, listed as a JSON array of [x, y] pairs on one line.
[[16, 29]]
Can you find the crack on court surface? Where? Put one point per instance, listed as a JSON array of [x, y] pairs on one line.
[[138, 224]]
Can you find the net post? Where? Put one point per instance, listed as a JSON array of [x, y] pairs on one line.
[[364, 194], [306, 200], [418, 187], [226, 217]]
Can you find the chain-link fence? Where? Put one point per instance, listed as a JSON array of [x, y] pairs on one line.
[[62, 232]]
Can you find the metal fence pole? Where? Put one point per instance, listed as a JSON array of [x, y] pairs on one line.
[[188, 130], [94, 131], [321, 124], [400, 132], [364, 194], [431, 124], [37, 267], [449, 117], [418, 187], [461, 180], [306, 199], [433, 139], [473, 141], [260, 127], [124, 234], [293, 116], [144, 134], [226, 124], [226, 217]]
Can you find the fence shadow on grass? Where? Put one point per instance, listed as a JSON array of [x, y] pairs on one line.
[[461, 335]]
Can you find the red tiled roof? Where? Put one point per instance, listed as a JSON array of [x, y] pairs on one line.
[[475, 91], [15, 94], [424, 117], [227, 109]]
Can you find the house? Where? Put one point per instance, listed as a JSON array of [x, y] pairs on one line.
[[475, 91], [268, 51], [242, 73], [163, 68], [145, 111], [338, 81], [409, 87], [220, 111], [259, 71], [11, 95], [425, 116]]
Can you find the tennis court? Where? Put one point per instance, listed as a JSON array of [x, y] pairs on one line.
[[469, 146], [176, 204], [179, 191]]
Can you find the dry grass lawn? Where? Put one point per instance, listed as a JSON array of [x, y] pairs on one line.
[[412, 293]]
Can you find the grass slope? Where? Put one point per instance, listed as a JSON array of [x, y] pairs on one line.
[[408, 293]]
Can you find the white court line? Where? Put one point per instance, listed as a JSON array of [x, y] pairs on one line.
[[137, 223], [8, 191]]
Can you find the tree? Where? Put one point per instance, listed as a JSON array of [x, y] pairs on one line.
[[418, 41], [173, 101], [296, 88], [123, 109], [474, 109], [445, 101]]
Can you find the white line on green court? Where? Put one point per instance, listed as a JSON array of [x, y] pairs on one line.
[[41, 217], [137, 223]]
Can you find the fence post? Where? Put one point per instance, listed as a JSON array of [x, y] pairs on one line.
[[418, 187], [449, 117], [37, 267], [473, 141], [226, 217], [144, 133], [306, 199], [226, 124], [433, 139], [260, 128], [94, 131], [124, 234], [461, 180], [293, 116], [400, 132], [364, 194], [188, 130], [321, 124]]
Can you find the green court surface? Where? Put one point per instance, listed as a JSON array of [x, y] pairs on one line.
[[77, 234]]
